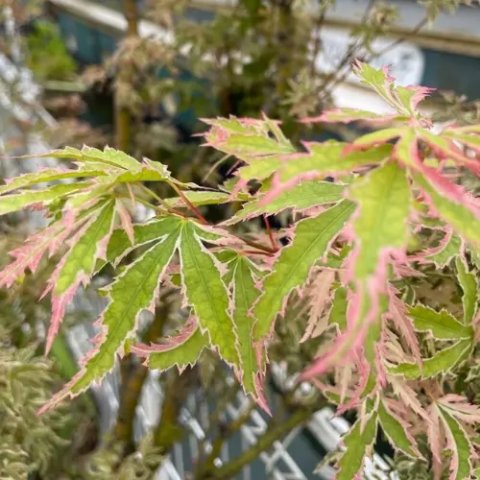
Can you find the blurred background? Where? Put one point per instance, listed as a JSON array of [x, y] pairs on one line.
[[138, 75]]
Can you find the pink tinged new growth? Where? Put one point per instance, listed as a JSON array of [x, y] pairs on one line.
[[320, 293], [347, 345], [445, 148], [126, 220], [28, 256], [397, 313], [278, 187], [380, 224], [78, 264], [364, 370], [459, 407], [380, 363], [436, 440], [409, 397], [420, 93], [452, 191]]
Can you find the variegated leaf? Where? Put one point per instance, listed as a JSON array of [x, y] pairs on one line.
[[357, 443], [310, 243], [18, 201], [206, 292], [397, 431], [133, 291], [383, 197], [78, 264], [469, 283], [442, 362], [460, 446], [442, 325], [301, 197]]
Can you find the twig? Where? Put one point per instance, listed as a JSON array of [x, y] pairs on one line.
[[189, 204], [176, 389], [205, 468], [401, 39], [273, 433], [133, 377], [259, 246], [270, 234]]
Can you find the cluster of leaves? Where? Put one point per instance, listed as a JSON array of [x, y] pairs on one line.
[[47, 55], [108, 462], [31, 445], [29, 442], [360, 244], [231, 61]]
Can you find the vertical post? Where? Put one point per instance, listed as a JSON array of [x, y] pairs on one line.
[[123, 120]]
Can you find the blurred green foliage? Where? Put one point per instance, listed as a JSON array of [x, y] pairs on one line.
[[46, 53]]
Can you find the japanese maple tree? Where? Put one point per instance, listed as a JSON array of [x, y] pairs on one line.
[[370, 218]]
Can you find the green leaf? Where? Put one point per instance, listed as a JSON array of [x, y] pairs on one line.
[[109, 156], [338, 312], [468, 282], [247, 146], [80, 259], [78, 264], [347, 115], [395, 430], [441, 362], [180, 356], [244, 295], [462, 219], [378, 80], [310, 244], [247, 141], [200, 198], [383, 197], [132, 292], [459, 444], [300, 197], [356, 444], [17, 201], [261, 169], [160, 168], [44, 176], [378, 137], [119, 245], [442, 325], [143, 175], [329, 157], [206, 292], [406, 147]]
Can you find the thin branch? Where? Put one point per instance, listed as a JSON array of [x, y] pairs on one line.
[[402, 39], [274, 432], [133, 375], [176, 389], [189, 204], [259, 246], [205, 468], [270, 234], [317, 45], [161, 201]]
